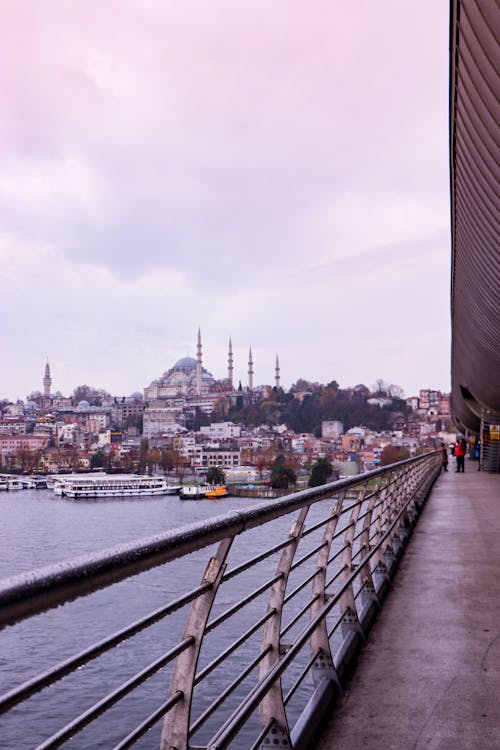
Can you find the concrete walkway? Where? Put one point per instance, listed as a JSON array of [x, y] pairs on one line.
[[429, 675]]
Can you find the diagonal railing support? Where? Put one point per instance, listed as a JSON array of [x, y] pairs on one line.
[[272, 708], [175, 731]]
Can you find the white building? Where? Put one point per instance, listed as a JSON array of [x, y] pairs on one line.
[[332, 429], [221, 430]]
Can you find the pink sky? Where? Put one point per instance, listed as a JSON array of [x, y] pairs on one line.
[[276, 172]]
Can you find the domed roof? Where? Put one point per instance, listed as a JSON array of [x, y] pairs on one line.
[[185, 362]]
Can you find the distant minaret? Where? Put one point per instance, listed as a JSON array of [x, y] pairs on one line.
[[198, 364], [47, 381], [277, 373], [250, 370], [230, 364]]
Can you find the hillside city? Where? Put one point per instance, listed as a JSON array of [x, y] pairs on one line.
[[186, 421]]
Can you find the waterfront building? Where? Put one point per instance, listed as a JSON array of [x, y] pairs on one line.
[[10, 444]]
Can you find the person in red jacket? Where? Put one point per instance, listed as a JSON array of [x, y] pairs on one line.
[[460, 448]]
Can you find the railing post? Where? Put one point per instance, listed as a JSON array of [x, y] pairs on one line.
[[272, 708], [368, 593], [323, 667], [347, 602], [175, 730]]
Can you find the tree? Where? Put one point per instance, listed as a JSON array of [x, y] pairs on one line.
[[395, 391], [282, 475], [94, 396], [380, 388], [97, 459], [392, 453], [215, 475], [321, 471]]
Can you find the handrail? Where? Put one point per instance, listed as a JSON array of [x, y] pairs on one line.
[[344, 565], [33, 592]]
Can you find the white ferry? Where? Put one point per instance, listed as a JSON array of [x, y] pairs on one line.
[[113, 486], [15, 484]]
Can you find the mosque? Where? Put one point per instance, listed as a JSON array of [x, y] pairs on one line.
[[188, 386]]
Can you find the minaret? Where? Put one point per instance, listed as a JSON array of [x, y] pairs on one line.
[[277, 373], [198, 364], [47, 381], [230, 364], [250, 370]]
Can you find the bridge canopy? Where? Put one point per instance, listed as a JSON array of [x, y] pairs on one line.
[[474, 174]]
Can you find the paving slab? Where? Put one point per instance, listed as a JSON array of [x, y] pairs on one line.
[[429, 675]]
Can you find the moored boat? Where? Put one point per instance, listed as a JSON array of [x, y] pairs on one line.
[[216, 492], [112, 486], [195, 491], [15, 484]]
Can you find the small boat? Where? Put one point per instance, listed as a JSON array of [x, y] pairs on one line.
[[195, 491], [216, 492]]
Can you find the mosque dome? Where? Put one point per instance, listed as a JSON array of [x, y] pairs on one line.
[[185, 362]]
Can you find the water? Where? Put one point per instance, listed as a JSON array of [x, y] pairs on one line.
[[39, 528]]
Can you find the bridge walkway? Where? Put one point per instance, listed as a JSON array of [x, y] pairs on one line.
[[429, 675]]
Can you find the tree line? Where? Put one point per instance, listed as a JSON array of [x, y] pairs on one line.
[[322, 403]]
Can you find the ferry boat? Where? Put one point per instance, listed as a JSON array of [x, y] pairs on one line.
[[216, 492], [113, 486], [195, 491], [34, 483], [15, 484]]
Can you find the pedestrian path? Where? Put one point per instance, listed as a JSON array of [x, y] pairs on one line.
[[429, 675]]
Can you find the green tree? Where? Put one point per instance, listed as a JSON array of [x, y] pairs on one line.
[[215, 475], [97, 460], [282, 475], [321, 471]]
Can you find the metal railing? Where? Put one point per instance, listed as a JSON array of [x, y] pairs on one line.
[[267, 639]]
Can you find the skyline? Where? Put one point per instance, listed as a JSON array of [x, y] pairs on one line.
[[277, 175], [47, 382]]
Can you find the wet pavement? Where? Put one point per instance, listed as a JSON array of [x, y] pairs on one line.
[[429, 675]]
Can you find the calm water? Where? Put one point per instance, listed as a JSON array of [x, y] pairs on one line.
[[37, 528]]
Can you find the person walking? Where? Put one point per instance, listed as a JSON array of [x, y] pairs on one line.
[[460, 448], [444, 457]]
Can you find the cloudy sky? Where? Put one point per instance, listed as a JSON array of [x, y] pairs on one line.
[[271, 170]]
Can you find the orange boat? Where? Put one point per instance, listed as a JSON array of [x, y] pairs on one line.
[[219, 491]]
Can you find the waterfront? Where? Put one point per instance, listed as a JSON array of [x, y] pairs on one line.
[[39, 528]]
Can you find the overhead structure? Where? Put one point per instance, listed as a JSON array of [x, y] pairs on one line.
[[475, 211]]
